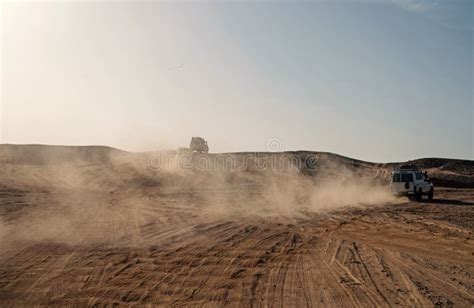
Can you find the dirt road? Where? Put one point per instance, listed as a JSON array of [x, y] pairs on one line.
[[160, 246]]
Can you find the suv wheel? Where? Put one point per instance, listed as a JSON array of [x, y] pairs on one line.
[[417, 194], [431, 193]]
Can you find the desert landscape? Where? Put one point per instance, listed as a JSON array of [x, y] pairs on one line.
[[95, 226], [237, 153]]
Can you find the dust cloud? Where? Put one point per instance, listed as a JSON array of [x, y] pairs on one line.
[[109, 199]]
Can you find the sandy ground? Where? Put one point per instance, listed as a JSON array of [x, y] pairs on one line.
[[164, 245]]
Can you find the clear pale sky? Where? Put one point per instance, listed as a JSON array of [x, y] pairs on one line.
[[375, 80]]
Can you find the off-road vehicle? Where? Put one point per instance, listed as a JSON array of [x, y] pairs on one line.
[[199, 145], [409, 180]]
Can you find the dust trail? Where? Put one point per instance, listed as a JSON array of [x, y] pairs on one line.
[[95, 198], [290, 194]]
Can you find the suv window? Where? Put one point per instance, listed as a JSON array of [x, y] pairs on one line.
[[396, 177], [407, 177], [419, 176]]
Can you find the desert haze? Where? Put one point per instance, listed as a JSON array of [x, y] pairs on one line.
[[339, 170], [95, 225]]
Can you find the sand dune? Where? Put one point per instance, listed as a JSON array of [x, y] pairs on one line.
[[96, 225]]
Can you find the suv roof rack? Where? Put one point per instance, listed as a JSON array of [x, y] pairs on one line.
[[407, 168]]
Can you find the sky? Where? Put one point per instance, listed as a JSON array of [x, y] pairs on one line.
[[386, 80]]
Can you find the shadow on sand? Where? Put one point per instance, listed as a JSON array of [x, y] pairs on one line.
[[449, 202]]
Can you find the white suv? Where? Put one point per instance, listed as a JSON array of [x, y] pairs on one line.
[[410, 181]]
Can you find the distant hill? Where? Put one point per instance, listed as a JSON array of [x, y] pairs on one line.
[[38, 154], [444, 172]]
